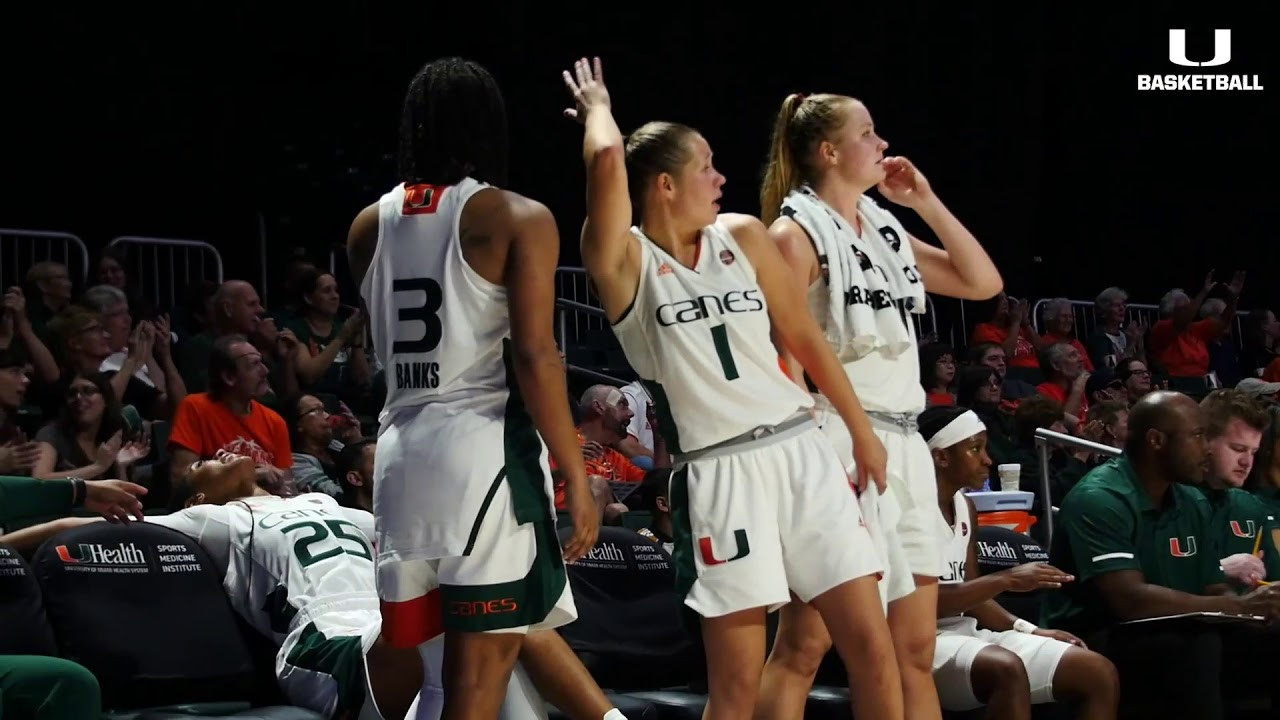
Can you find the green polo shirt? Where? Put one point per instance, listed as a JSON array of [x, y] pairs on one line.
[[1108, 523], [1238, 517]]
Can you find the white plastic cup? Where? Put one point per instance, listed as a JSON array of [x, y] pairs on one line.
[[1010, 476]]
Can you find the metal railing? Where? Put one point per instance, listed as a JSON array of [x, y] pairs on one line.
[[164, 266], [1044, 439], [563, 309], [20, 249], [1086, 320]]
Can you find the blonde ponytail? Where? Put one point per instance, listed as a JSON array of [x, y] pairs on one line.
[[781, 174]]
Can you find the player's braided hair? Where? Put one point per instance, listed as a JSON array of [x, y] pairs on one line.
[[454, 125]]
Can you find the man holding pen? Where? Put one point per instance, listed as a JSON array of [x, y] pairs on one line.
[[1143, 544], [1244, 526]]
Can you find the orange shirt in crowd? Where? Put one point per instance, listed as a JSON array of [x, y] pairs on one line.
[[1053, 338], [1272, 373], [1059, 393], [1024, 353], [612, 465], [940, 398], [1184, 354], [204, 426]]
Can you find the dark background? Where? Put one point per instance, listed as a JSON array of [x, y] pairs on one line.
[[203, 121]]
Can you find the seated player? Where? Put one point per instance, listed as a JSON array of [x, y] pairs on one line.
[[328, 583], [985, 655]]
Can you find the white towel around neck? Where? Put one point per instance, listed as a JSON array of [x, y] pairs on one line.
[[869, 277]]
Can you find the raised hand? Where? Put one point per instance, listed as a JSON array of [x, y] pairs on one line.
[[134, 451], [1237, 284], [903, 184], [108, 451], [586, 83]]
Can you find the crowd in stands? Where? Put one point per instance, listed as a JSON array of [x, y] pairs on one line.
[[103, 386]]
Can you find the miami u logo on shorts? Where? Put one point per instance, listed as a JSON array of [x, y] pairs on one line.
[[709, 555]]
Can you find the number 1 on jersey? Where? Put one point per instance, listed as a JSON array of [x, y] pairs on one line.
[[721, 339]]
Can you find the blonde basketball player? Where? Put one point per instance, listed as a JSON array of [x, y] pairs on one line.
[[865, 274], [761, 507], [457, 275]]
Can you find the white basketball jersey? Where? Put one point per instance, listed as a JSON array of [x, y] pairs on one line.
[[699, 340], [438, 327], [955, 541], [289, 561], [890, 385]]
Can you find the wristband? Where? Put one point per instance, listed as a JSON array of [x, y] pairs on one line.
[[1024, 626], [78, 491]]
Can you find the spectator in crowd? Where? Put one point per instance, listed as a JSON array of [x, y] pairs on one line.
[[1261, 342], [1113, 341], [155, 386], [18, 334], [355, 473], [985, 655], [237, 310], [295, 269], [604, 417], [88, 438], [993, 356], [109, 271], [654, 492], [1224, 358], [194, 315], [17, 455], [1059, 327], [1104, 385], [639, 444], [1008, 325], [49, 284], [1066, 465], [1136, 377], [311, 439], [1180, 343], [81, 342], [228, 418], [978, 388], [938, 373], [1135, 534], [1260, 390], [1063, 366], [332, 360], [1242, 522], [1108, 423]]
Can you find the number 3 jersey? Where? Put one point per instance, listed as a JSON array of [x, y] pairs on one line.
[[438, 327], [287, 562], [699, 340]]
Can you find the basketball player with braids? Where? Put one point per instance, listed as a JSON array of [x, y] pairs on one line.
[[457, 277], [761, 507], [866, 275]]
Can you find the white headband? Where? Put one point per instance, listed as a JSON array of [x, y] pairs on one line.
[[965, 426]]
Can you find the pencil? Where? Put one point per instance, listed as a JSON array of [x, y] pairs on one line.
[[1257, 542]]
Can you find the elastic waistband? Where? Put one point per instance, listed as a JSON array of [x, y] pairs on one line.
[[752, 439], [901, 423]]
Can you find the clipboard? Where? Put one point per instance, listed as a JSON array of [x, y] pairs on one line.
[[1209, 617]]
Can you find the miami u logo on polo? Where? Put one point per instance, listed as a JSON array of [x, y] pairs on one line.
[[1179, 548], [709, 555], [1240, 532]]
